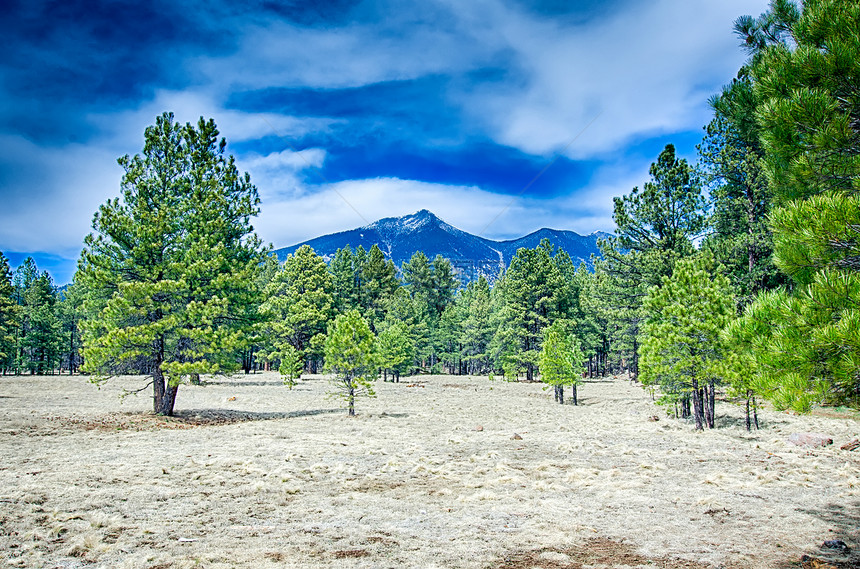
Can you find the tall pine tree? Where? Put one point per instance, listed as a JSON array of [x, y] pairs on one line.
[[168, 266]]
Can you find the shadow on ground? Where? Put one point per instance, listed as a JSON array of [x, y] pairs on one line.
[[184, 419], [840, 547], [597, 552], [205, 417]]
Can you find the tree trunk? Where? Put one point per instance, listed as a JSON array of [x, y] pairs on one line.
[[351, 400], [573, 389], [712, 399], [634, 368], [72, 351], [164, 396], [157, 390], [698, 406], [706, 407], [748, 413], [755, 412]]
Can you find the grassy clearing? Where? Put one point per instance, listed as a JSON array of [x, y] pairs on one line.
[[430, 474]]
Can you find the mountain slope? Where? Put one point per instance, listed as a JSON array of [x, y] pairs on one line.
[[471, 255]]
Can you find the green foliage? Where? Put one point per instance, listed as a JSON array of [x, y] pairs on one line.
[[804, 66], [350, 356], [291, 366], [530, 300], [682, 346], [363, 280], [655, 227], [733, 158], [796, 353], [431, 287], [298, 307], [378, 283], [168, 265], [39, 334], [560, 359], [476, 331], [667, 213], [413, 311], [9, 315], [395, 349]]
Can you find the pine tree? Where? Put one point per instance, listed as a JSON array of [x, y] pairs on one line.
[[298, 307], [560, 361], [682, 346], [70, 313], [432, 285], [168, 266], [742, 198], [531, 294], [395, 350], [804, 68], [476, 327], [655, 227], [38, 336], [349, 355], [292, 364], [342, 269], [379, 281], [40, 343], [10, 313], [414, 312]]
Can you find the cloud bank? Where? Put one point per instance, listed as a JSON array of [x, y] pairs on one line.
[[444, 105]]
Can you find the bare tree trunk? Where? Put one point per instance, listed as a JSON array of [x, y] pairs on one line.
[[706, 407], [698, 406], [634, 368], [573, 389], [351, 399], [712, 399]]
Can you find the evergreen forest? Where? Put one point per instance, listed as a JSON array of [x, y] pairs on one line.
[[738, 274]]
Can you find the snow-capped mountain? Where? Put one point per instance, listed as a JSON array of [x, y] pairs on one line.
[[472, 256]]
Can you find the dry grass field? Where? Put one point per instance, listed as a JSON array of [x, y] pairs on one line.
[[430, 474]]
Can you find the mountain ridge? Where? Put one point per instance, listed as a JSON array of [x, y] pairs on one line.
[[471, 255]]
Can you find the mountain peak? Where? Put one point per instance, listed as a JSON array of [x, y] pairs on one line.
[[408, 223], [471, 255]]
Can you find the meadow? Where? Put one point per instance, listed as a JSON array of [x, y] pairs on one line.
[[437, 471]]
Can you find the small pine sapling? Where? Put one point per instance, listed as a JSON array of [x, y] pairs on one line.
[[350, 357]]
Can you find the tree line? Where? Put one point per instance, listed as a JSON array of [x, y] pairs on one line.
[[737, 273]]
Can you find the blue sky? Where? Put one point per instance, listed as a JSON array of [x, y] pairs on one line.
[[348, 111]]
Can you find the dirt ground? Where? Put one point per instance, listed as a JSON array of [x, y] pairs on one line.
[[436, 472]]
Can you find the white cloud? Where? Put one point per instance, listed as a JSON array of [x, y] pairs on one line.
[[350, 204], [649, 68], [56, 192], [645, 71], [406, 42], [642, 71], [125, 128], [276, 174]]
